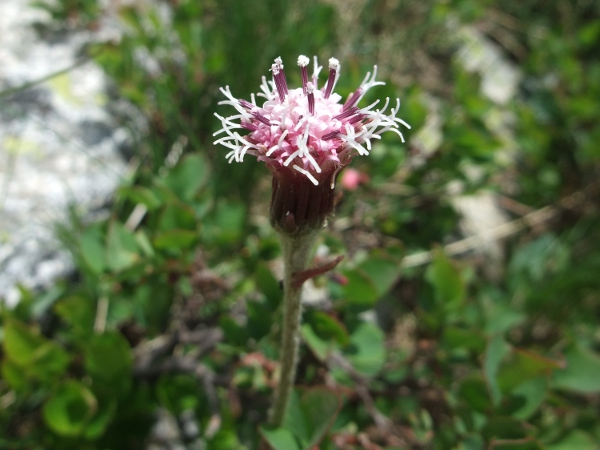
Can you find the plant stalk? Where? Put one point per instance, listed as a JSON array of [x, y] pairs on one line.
[[296, 251]]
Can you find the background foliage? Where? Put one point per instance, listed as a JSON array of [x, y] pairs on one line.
[[173, 310]]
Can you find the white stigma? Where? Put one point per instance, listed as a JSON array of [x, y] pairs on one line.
[[279, 62], [303, 61], [275, 69], [334, 64], [310, 88]]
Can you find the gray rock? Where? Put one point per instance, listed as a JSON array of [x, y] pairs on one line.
[[59, 148]]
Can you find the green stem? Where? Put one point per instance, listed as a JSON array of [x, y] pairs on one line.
[[296, 251]]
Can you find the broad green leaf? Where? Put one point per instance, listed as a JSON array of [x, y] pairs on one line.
[[260, 320], [175, 239], [92, 248], [50, 361], [501, 317], [328, 327], [177, 216], [98, 424], [225, 223], [35, 356], [504, 428], [382, 271], [310, 415], [78, 312], [446, 281], [523, 366], [69, 409], [319, 347], [188, 176], [474, 392], [576, 440], [532, 393], [20, 342], [320, 406], [268, 285], [15, 376], [455, 337], [280, 439], [143, 242], [496, 350], [142, 195], [581, 372], [108, 360], [367, 350], [121, 247], [295, 419], [360, 290]]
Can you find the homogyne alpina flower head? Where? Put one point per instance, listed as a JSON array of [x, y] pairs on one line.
[[306, 136]]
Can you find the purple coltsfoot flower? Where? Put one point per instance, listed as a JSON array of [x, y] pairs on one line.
[[305, 136]]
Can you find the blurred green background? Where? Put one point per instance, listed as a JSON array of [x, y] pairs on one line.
[[465, 315]]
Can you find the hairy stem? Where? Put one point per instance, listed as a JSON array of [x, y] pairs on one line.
[[296, 251]]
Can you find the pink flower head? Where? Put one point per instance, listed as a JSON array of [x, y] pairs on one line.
[[305, 133]]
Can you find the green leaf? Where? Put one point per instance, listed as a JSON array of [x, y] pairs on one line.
[[188, 176], [320, 406], [367, 350], [328, 327], [98, 424], [259, 320], [474, 392], [14, 375], [268, 285], [383, 272], [108, 361], [497, 349], [531, 393], [20, 342], [92, 248], [175, 239], [70, 408], [581, 371], [446, 281], [280, 439], [455, 338], [295, 419], [177, 216], [310, 415], [78, 312], [121, 247], [178, 393], [319, 347], [142, 195], [360, 290], [523, 366], [576, 439]]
